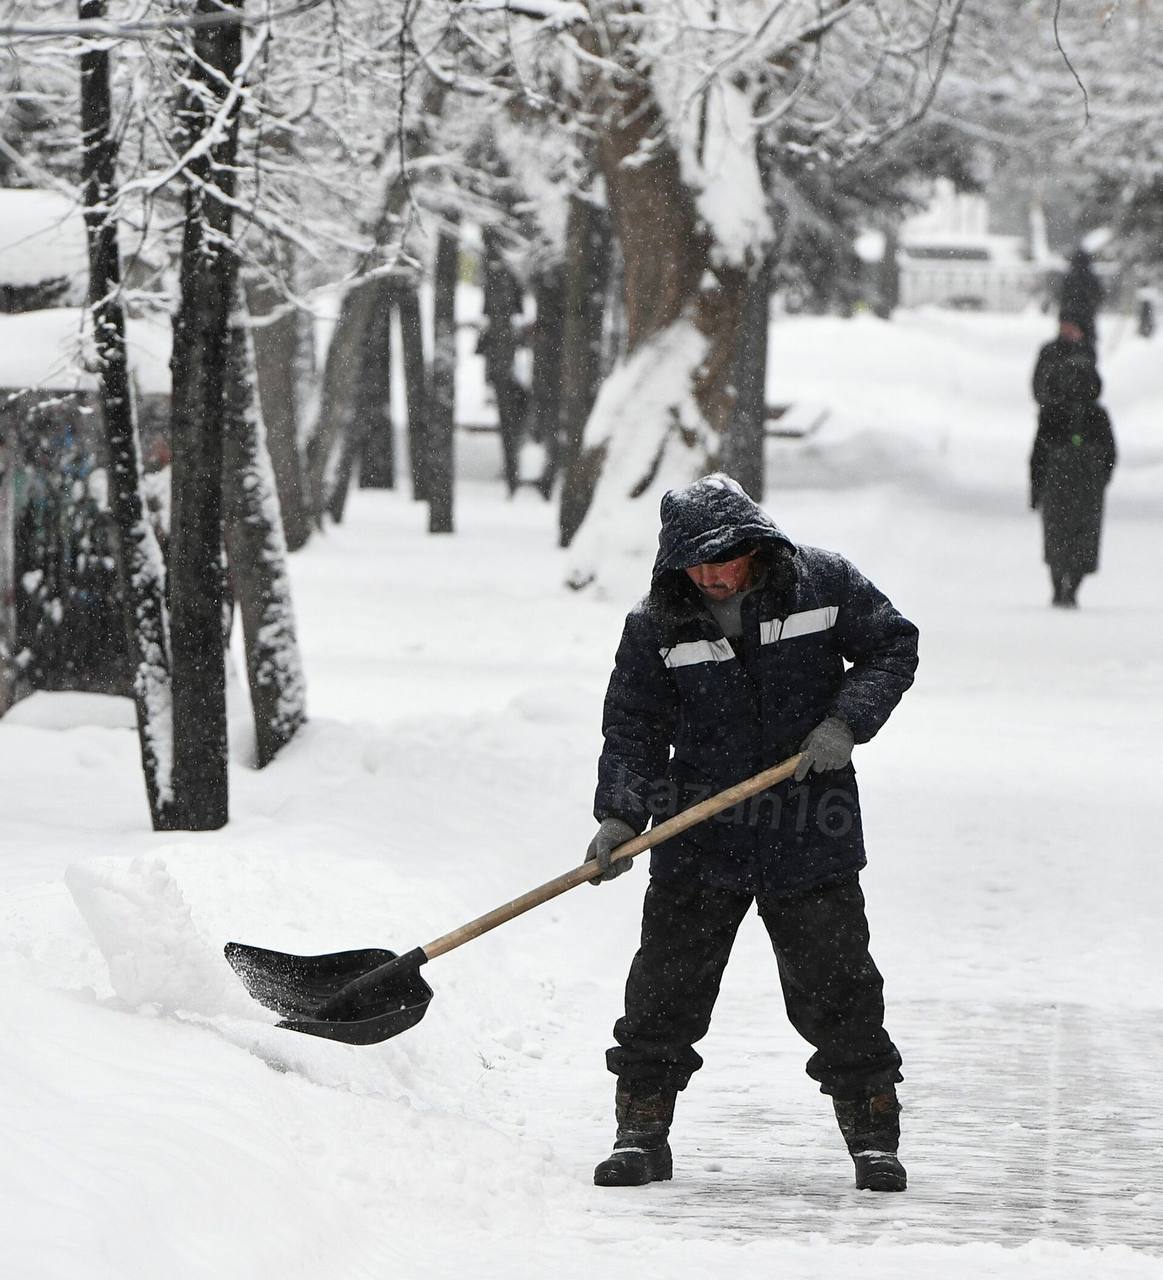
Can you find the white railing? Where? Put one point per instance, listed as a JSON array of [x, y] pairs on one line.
[[985, 285]]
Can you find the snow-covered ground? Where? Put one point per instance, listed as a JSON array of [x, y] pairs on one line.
[[153, 1123]]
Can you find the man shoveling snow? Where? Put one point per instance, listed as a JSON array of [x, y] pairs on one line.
[[737, 658]]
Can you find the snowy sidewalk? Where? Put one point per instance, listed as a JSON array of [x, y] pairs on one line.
[[1021, 1122], [1012, 810]]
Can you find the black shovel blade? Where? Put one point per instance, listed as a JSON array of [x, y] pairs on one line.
[[298, 986]]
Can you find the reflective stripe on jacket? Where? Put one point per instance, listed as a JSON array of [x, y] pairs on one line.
[[687, 715]]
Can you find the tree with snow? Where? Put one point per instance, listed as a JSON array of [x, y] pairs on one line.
[[180, 681], [142, 571]]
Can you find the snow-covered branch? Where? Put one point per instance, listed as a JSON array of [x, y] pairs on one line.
[[144, 28]]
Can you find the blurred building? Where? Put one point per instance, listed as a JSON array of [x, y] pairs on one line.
[[60, 623], [948, 256]]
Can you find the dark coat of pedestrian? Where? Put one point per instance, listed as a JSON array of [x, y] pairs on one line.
[[748, 649], [1071, 463], [1080, 296]]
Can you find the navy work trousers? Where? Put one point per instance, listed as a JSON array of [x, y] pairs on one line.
[[832, 989]]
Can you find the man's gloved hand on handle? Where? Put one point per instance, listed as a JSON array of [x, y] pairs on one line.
[[828, 746], [612, 833]]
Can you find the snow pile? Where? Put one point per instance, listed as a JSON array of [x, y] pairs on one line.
[[49, 350], [145, 931], [72, 711], [1012, 816], [42, 238], [940, 402]]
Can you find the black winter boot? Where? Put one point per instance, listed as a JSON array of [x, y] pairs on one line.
[[872, 1130], [641, 1152]]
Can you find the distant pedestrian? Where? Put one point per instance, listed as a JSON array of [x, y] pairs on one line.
[[1072, 460], [1080, 296]]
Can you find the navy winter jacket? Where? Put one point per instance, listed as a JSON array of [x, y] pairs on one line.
[[679, 686]]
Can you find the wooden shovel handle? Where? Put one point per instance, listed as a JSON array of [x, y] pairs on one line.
[[631, 849]]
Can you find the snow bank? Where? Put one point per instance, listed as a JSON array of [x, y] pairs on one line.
[[42, 238], [1011, 810], [145, 931], [72, 711], [142, 1148], [940, 402], [48, 351]]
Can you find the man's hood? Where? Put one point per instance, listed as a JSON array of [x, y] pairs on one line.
[[703, 520]]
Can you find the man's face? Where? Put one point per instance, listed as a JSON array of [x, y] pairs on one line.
[[723, 580], [1070, 332]]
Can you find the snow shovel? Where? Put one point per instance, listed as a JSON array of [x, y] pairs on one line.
[[363, 997]]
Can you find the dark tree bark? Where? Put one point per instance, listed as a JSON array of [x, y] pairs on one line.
[[7, 567], [548, 353], [440, 464], [406, 296], [587, 271], [669, 276], [743, 443], [665, 254], [209, 270], [140, 567], [330, 450], [370, 407], [277, 346], [257, 555], [342, 369], [373, 406], [502, 300], [888, 279]]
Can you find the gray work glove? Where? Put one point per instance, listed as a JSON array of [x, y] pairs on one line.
[[612, 833], [828, 746]]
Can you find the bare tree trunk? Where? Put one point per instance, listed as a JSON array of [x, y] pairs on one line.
[[7, 566], [140, 567], [372, 430], [209, 270], [587, 270], [257, 554], [683, 308], [277, 345], [440, 461], [888, 275], [342, 369], [548, 353], [743, 443], [666, 255], [341, 377], [367, 405], [406, 296], [502, 300]]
